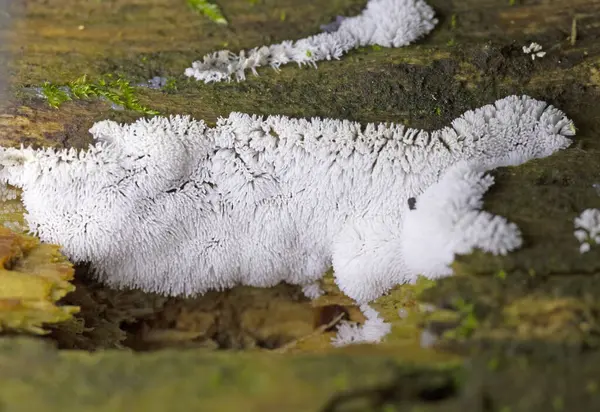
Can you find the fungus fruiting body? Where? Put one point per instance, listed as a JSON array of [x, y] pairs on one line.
[[170, 205], [386, 23]]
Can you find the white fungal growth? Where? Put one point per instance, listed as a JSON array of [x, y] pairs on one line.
[[171, 206], [535, 50], [587, 229], [448, 220], [373, 330], [312, 290], [387, 23]]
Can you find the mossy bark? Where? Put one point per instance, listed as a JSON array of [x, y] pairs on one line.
[[536, 314]]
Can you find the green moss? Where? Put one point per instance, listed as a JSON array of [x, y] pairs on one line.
[[115, 89], [468, 322], [209, 9], [453, 21], [522, 312], [170, 86], [54, 94]]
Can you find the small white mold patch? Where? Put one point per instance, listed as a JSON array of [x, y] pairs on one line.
[[312, 290], [427, 339], [587, 229], [535, 50], [373, 330]]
